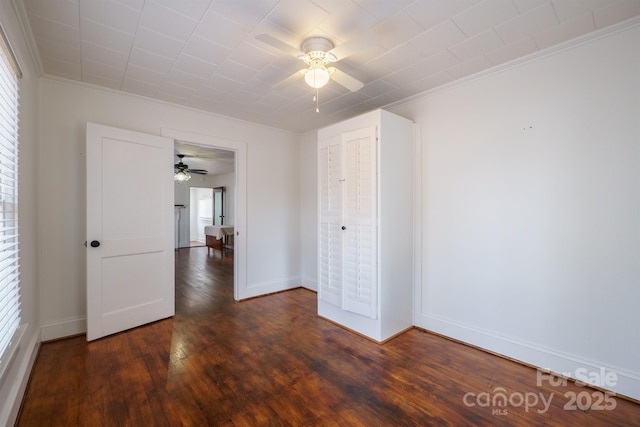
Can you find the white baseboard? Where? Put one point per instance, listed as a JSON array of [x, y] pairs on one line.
[[626, 383], [20, 378], [263, 288], [309, 283], [64, 328]]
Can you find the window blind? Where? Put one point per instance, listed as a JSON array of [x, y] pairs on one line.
[[9, 260]]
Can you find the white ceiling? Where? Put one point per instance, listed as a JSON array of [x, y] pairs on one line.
[[203, 53], [213, 160]]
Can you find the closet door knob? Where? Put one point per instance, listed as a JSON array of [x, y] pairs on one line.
[[344, 227], [95, 243]]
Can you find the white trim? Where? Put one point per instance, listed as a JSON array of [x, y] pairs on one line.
[[11, 406], [519, 62], [417, 220], [63, 328], [310, 283], [27, 33], [262, 288], [628, 383]]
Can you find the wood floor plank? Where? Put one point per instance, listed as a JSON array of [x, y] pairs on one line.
[[272, 361]]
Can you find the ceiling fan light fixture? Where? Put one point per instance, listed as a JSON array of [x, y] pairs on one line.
[[317, 76], [181, 176]]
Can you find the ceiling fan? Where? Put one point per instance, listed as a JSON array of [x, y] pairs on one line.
[[317, 53], [182, 172]]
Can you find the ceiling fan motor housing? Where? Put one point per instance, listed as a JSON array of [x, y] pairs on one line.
[[317, 48]]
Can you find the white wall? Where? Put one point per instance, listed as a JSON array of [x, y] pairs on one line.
[[14, 379], [531, 210], [273, 260], [309, 210]]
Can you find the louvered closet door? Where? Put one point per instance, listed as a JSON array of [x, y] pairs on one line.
[[359, 216], [331, 206]]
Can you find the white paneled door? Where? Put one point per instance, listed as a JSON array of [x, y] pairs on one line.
[[130, 230]]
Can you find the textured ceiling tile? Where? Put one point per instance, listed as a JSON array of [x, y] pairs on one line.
[[164, 20], [376, 88], [101, 81], [527, 24], [219, 66], [485, 15], [186, 80], [111, 14], [524, 6], [616, 12], [297, 16], [158, 43], [101, 69], [470, 67], [46, 29], [194, 66], [570, 9], [193, 9], [431, 82], [140, 87], [144, 75], [439, 38], [206, 50], [133, 4], [220, 30], [477, 45], [512, 51], [431, 13], [104, 55], [402, 54], [61, 51], [222, 84], [565, 31], [329, 5], [247, 13], [56, 67], [103, 35], [235, 71], [149, 60], [348, 22], [383, 9], [396, 30], [252, 57], [61, 11]]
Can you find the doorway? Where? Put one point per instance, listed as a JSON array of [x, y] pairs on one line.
[[235, 196]]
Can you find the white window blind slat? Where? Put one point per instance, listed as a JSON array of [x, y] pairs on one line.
[[9, 247]]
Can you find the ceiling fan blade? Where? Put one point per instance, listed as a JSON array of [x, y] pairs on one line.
[[279, 44], [345, 80], [292, 78], [355, 45], [199, 171]]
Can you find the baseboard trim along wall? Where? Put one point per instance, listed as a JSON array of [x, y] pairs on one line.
[[263, 288], [63, 328], [625, 383], [11, 406]]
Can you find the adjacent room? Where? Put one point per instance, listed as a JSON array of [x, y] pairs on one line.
[[320, 212]]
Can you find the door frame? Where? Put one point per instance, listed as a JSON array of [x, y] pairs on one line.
[[239, 148]]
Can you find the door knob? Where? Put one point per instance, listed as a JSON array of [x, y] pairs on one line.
[[95, 243], [344, 227]]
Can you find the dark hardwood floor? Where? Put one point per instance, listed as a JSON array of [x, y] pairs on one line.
[[271, 361]]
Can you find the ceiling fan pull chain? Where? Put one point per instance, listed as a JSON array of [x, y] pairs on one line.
[[317, 99]]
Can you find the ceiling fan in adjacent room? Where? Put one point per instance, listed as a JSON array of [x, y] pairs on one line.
[[181, 171], [317, 53]]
